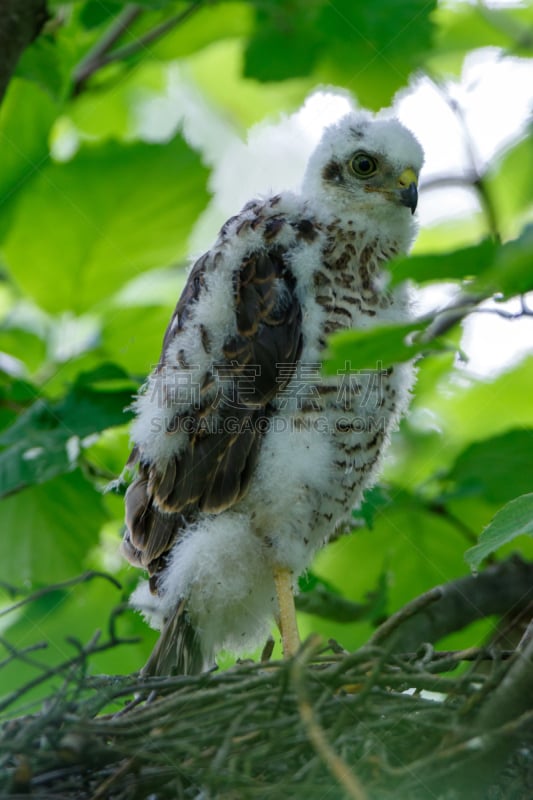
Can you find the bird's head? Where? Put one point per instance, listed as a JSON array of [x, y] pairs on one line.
[[366, 164]]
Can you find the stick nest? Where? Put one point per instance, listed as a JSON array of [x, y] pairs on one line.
[[324, 724]]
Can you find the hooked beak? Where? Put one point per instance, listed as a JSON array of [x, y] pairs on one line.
[[407, 189]]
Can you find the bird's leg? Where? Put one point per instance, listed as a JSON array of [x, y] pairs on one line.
[[286, 620]]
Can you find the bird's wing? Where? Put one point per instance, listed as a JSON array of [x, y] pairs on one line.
[[238, 320]]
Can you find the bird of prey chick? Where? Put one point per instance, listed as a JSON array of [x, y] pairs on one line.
[[247, 458]]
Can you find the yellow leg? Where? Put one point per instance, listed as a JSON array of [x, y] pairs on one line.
[[290, 638]]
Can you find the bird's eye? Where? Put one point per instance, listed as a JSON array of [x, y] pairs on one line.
[[363, 165]]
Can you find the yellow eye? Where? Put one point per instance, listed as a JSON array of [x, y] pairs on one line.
[[363, 165]]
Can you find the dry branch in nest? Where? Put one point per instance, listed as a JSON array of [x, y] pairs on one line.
[[324, 724]]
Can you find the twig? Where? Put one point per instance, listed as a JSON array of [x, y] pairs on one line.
[[445, 660], [466, 748], [156, 33], [85, 70], [395, 620], [22, 655], [525, 311], [96, 56], [449, 316], [77, 660], [102, 791], [229, 732], [57, 587], [338, 768], [466, 180]]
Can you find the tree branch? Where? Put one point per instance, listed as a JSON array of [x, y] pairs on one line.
[[96, 57], [21, 22], [496, 730], [55, 587], [455, 605], [345, 776], [102, 54]]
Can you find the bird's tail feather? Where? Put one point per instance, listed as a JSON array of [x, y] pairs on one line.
[[178, 649]]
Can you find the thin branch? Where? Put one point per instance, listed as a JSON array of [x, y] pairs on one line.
[[395, 620], [234, 732], [55, 587], [505, 713], [94, 58], [102, 790], [156, 33], [22, 655], [448, 317], [92, 648], [338, 768], [104, 57], [460, 308], [525, 311], [467, 181], [462, 751]]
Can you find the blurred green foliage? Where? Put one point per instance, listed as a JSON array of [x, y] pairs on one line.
[[89, 203]]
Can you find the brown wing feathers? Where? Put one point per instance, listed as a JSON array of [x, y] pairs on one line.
[[213, 471]]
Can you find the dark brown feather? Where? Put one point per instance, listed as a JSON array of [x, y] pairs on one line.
[[213, 471], [178, 648]]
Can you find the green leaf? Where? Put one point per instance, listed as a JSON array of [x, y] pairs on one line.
[[511, 273], [451, 234], [514, 519], [286, 42], [209, 25], [498, 468], [308, 582], [467, 410], [96, 12], [26, 116], [133, 336], [88, 226], [376, 348], [44, 64], [375, 501], [15, 395], [496, 268], [463, 27], [47, 530], [461, 264], [36, 460], [374, 47], [415, 550], [510, 186], [275, 56], [370, 47], [243, 101], [156, 4], [109, 454], [113, 111], [45, 440], [24, 345]]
